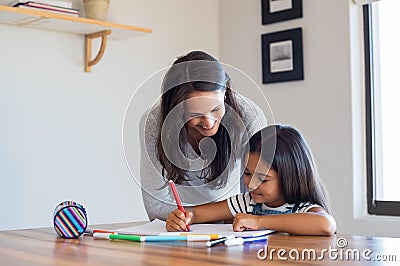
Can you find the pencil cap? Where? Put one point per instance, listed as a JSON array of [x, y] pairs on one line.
[[70, 220]]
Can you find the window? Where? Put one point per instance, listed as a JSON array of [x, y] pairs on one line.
[[382, 59]]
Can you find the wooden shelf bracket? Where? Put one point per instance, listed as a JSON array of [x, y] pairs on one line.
[[88, 43]]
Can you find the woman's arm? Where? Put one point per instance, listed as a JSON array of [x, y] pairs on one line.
[[206, 213], [314, 222]]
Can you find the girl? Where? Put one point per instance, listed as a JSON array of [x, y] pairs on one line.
[[193, 136], [285, 193]]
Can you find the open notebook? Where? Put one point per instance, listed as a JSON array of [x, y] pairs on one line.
[[157, 226]]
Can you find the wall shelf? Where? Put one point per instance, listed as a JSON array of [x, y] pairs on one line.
[[74, 25]]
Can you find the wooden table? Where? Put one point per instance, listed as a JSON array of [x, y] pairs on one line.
[[43, 247]]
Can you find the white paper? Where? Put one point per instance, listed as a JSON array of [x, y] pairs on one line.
[[157, 226]]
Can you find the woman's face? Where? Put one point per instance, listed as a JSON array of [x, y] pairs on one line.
[[204, 111]]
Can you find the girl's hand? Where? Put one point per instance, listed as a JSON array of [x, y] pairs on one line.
[[177, 220], [244, 221]]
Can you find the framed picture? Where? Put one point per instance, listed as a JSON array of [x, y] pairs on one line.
[[282, 56], [280, 10]]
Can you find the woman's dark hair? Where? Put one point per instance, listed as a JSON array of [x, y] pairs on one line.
[[197, 71], [285, 150]]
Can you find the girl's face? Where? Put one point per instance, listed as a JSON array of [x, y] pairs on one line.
[[204, 111], [264, 183]]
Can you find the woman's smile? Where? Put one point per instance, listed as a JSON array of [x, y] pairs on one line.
[[208, 127], [204, 111]]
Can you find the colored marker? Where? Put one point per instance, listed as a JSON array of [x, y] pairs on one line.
[[91, 231], [209, 236], [219, 240], [242, 240], [104, 231], [150, 238], [121, 237], [178, 200], [175, 238]]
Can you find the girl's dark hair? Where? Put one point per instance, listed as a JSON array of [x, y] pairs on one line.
[[197, 71], [285, 150]]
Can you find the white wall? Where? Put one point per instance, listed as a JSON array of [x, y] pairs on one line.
[[326, 106], [61, 128]]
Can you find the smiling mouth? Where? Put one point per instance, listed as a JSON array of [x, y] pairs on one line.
[[253, 194], [206, 128]]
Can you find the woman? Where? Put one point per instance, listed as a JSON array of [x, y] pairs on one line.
[[194, 136]]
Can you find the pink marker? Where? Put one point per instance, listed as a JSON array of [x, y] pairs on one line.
[[178, 200]]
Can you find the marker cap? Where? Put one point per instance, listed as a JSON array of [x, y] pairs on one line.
[[234, 242]]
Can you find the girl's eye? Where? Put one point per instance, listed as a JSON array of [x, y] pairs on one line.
[[264, 181], [246, 173]]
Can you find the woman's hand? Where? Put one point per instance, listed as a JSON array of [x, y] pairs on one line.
[[178, 220], [244, 221]]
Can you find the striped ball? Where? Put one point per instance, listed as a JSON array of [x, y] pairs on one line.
[[70, 219]]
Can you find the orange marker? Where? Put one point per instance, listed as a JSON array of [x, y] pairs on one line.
[[91, 231], [104, 231]]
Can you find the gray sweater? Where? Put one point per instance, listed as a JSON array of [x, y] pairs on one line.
[[157, 197]]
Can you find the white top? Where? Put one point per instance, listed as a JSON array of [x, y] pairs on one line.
[[243, 203], [157, 197]]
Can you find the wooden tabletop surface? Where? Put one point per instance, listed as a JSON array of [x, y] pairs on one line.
[[43, 247]]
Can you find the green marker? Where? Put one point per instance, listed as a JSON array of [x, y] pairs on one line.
[[126, 237], [116, 236]]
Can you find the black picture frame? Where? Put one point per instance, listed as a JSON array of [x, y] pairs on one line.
[[282, 56], [280, 10]]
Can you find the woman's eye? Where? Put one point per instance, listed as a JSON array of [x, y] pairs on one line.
[[264, 181], [246, 173], [216, 109]]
